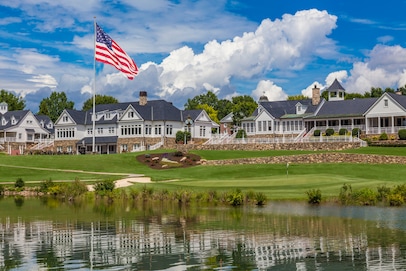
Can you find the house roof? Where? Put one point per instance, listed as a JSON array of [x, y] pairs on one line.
[[278, 109], [18, 116], [335, 86], [345, 108]]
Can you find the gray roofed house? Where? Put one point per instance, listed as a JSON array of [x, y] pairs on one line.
[[128, 126]]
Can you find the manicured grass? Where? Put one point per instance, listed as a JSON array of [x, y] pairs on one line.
[[271, 179], [398, 151]]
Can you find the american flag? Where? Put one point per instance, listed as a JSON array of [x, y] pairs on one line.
[[109, 52]]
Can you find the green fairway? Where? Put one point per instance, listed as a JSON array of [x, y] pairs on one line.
[[272, 179]]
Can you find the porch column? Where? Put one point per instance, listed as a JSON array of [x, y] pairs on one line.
[[393, 124], [379, 124], [366, 125]]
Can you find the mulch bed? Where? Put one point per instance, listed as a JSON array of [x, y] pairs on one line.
[[178, 160]]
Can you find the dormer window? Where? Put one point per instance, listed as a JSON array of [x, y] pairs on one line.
[[13, 121], [385, 103], [108, 116], [49, 125]]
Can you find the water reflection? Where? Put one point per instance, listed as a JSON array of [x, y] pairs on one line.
[[280, 236]]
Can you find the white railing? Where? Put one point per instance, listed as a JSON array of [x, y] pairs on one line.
[[7, 139], [388, 130], [289, 139], [156, 146], [300, 135]]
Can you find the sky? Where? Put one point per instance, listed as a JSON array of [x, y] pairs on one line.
[[184, 48]]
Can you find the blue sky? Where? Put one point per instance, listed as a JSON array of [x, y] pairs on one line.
[[184, 48]]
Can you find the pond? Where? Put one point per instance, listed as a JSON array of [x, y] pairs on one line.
[[45, 234]]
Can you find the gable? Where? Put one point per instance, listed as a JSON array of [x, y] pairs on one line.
[[130, 114], [65, 119], [385, 106]]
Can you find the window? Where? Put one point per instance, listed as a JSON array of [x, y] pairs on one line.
[[259, 126], [158, 129], [89, 131], [131, 114], [99, 131], [111, 130], [131, 129], [148, 129], [65, 133], [269, 125], [29, 121], [59, 148], [69, 149], [202, 131], [169, 129], [65, 119], [385, 103], [124, 147]]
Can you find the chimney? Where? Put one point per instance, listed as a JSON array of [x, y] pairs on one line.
[[315, 95], [143, 98]]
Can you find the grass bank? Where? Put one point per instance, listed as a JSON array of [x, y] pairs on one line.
[[274, 180]]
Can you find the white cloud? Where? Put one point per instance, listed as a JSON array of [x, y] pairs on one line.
[[384, 67], [270, 90], [286, 44], [43, 80], [308, 92]]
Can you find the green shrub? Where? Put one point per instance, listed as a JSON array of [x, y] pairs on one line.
[[316, 133], [104, 187], [2, 189], [241, 134], [395, 200], [235, 198], [19, 184], [383, 192], [329, 132], [402, 134], [314, 196], [356, 132], [342, 131], [180, 136], [400, 189], [260, 198], [383, 136], [45, 186], [364, 196], [345, 195]]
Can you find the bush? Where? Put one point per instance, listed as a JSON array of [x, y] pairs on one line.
[[345, 195], [2, 189], [395, 200], [180, 136], [19, 184], [342, 131], [356, 132], [402, 134], [383, 192], [260, 198], [104, 187], [383, 136], [314, 196], [241, 134], [365, 196], [46, 185], [235, 198], [316, 133], [329, 132]]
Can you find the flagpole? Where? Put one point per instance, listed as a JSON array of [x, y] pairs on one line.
[[94, 90]]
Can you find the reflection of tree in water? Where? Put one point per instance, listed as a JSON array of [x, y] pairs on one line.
[[19, 201], [12, 256], [46, 256]]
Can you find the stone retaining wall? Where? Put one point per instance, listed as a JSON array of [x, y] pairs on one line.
[[314, 159], [314, 146]]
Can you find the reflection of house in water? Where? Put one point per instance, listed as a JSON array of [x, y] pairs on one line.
[[153, 246]]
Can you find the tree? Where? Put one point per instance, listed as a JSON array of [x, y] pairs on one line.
[[297, 97], [54, 105], [210, 111], [243, 106], [99, 99], [209, 98], [13, 102], [224, 107], [350, 96]]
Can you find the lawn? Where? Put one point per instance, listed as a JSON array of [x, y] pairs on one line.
[[272, 179]]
